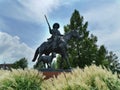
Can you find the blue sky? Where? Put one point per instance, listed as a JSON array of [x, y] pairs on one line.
[[23, 27]]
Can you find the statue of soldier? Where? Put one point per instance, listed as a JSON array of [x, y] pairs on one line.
[[55, 35]]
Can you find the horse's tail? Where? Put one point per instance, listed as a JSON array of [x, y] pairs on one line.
[[36, 54]]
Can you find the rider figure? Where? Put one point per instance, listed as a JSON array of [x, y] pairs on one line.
[[55, 35]]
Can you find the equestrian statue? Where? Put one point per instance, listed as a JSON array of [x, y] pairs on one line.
[[57, 43]]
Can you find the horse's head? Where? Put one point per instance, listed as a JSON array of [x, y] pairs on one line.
[[75, 34], [72, 33]]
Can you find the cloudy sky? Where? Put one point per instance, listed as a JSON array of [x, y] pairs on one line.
[[23, 27]]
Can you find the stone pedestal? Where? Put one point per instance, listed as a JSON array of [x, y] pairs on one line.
[[49, 73]]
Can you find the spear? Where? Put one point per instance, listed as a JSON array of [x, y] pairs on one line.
[[47, 21]]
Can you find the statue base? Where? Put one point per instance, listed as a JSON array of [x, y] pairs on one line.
[[49, 73]]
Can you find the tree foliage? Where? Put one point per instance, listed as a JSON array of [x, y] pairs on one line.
[[22, 63]]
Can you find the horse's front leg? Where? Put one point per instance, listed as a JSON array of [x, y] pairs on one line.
[[44, 64], [49, 66], [67, 60], [61, 64]]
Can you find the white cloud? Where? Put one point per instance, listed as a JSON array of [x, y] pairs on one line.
[[105, 24], [12, 49], [31, 10]]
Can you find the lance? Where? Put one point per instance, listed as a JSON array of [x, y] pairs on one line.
[[47, 21]]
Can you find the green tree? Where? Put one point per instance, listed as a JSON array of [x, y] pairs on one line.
[[84, 51], [101, 56], [22, 63], [114, 64]]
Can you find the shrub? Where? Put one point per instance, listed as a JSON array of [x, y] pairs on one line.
[[90, 78], [21, 79]]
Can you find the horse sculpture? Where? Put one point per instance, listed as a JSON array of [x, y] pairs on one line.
[[61, 46]]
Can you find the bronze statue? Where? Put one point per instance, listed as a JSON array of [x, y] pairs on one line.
[[58, 43]]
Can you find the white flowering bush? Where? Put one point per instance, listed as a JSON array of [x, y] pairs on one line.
[[90, 78], [19, 79]]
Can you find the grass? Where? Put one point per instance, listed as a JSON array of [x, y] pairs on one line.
[[89, 78], [21, 79]]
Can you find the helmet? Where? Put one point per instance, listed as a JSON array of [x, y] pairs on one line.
[[56, 25]]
